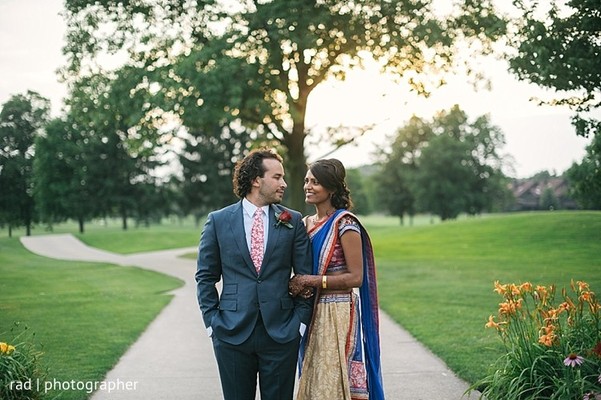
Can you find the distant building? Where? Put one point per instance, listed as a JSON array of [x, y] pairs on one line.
[[539, 192]]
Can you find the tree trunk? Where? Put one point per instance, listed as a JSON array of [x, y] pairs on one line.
[[296, 165], [124, 219], [295, 168], [10, 231], [80, 220]]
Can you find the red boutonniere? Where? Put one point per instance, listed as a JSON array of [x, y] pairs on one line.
[[283, 218]]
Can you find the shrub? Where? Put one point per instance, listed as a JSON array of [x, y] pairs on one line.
[[20, 371], [552, 348]]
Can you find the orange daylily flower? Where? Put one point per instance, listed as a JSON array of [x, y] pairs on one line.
[[500, 289], [549, 329], [552, 314], [491, 323], [541, 290], [526, 287], [586, 296], [583, 286], [547, 340], [510, 307], [565, 306]]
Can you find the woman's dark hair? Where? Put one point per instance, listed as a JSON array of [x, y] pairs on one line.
[[250, 168], [331, 174]]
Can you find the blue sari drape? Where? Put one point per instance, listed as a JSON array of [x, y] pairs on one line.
[[322, 242]]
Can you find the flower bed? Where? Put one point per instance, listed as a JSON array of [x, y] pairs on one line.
[[552, 345]]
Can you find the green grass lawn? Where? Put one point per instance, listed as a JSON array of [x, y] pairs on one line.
[[84, 315], [435, 279]]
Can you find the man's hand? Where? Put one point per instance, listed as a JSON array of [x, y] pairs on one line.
[[297, 286]]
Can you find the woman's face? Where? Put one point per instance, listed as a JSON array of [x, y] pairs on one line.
[[315, 193]]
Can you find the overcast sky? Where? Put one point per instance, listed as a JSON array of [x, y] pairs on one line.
[[538, 138]]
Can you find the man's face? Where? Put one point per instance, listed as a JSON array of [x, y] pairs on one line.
[[272, 185]]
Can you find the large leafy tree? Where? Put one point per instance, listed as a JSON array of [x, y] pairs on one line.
[[120, 143], [443, 180], [585, 177], [257, 62], [446, 166], [62, 186], [399, 165], [557, 47], [207, 169], [481, 143], [21, 119]]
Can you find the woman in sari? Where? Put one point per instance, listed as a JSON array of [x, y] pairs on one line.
[[340, 355]]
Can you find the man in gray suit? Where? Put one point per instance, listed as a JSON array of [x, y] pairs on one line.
[[253, 246]]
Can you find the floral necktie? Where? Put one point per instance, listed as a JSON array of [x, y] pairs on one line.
[[257, 233]]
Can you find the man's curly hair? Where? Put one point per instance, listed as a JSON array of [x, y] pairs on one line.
[[250, 168], [331, 174]]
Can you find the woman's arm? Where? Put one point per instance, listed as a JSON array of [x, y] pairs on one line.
[[344, 280]]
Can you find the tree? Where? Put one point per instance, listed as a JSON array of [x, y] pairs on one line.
[[443, 178], [558, 48], [482, 141], [548, 200], [120, 142], [355, 183], [61, 182], [585, 177], [21, 120], [394, 190], [269, 56], [207, 168], [445, 166], [152, 203], [395, 187]]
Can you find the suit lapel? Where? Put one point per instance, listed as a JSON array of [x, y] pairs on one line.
[[272, 237], [239, 235]]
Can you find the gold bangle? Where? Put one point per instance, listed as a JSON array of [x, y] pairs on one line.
[[324, 282]]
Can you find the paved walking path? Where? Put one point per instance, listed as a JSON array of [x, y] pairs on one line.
[[173, 358]]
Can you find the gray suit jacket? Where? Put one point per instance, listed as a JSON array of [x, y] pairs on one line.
[[223, 255]]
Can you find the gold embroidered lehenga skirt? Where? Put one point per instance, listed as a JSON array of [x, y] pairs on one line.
[[333, 368]]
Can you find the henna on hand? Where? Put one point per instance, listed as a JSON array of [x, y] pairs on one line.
[[295, 285]]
